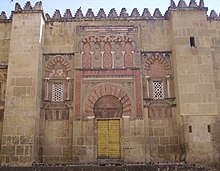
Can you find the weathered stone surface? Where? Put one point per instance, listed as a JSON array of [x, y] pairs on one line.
[[158, 76]]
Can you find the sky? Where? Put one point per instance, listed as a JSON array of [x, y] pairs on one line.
[[49, 6]]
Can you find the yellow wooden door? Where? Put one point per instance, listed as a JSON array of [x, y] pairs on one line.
[[109, 139]]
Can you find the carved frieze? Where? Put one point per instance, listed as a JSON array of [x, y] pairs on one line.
[[117, 29]]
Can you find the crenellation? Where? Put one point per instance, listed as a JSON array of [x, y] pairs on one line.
[[172, 4], [135, 13], [123, 13], [157, 13], [68, 14], [146, 13], [201, 4], [57, 14], [78, 13], [3, 16], [90, 14], [182, 4], [38, 6], [166, 15], [112, 14], [101, 14], [47, 16], [213, 15], [28, 6], [193, 4], [18, 7]]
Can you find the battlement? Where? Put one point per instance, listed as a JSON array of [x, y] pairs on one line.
[[112, 15]]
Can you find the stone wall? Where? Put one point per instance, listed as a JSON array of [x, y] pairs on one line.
[[89, 57], [23, 91], [196, 96], [5, 37]]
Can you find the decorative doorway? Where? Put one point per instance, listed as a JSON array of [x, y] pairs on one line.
[[108, 110]]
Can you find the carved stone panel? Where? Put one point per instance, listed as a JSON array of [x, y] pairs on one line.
[[122, 84], [58, 66], [99, 90]]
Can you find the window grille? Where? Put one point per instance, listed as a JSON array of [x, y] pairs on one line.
[[57, 92], [158, 90]]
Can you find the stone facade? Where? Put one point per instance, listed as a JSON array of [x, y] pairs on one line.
[[110, 88]]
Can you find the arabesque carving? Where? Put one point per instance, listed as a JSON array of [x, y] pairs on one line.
[[58, 66]]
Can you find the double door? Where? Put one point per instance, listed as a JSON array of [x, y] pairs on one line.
[[109, 139]]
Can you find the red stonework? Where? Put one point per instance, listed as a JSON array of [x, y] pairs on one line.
[[157, 66], [57, 66], [128, 55], [86, 56], [99, 92], [98, 51], [107, 58]]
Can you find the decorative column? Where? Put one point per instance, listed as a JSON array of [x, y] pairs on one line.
[[68, 89], [147, 78], [168, 86], [81, 61]]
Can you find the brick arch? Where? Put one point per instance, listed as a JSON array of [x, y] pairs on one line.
[[104, 90], [157, 65], [58, 66]]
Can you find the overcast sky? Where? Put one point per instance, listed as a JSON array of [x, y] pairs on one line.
[[49, 6]]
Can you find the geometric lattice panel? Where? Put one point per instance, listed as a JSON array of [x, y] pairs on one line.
[[57, 92], [158, 90]]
